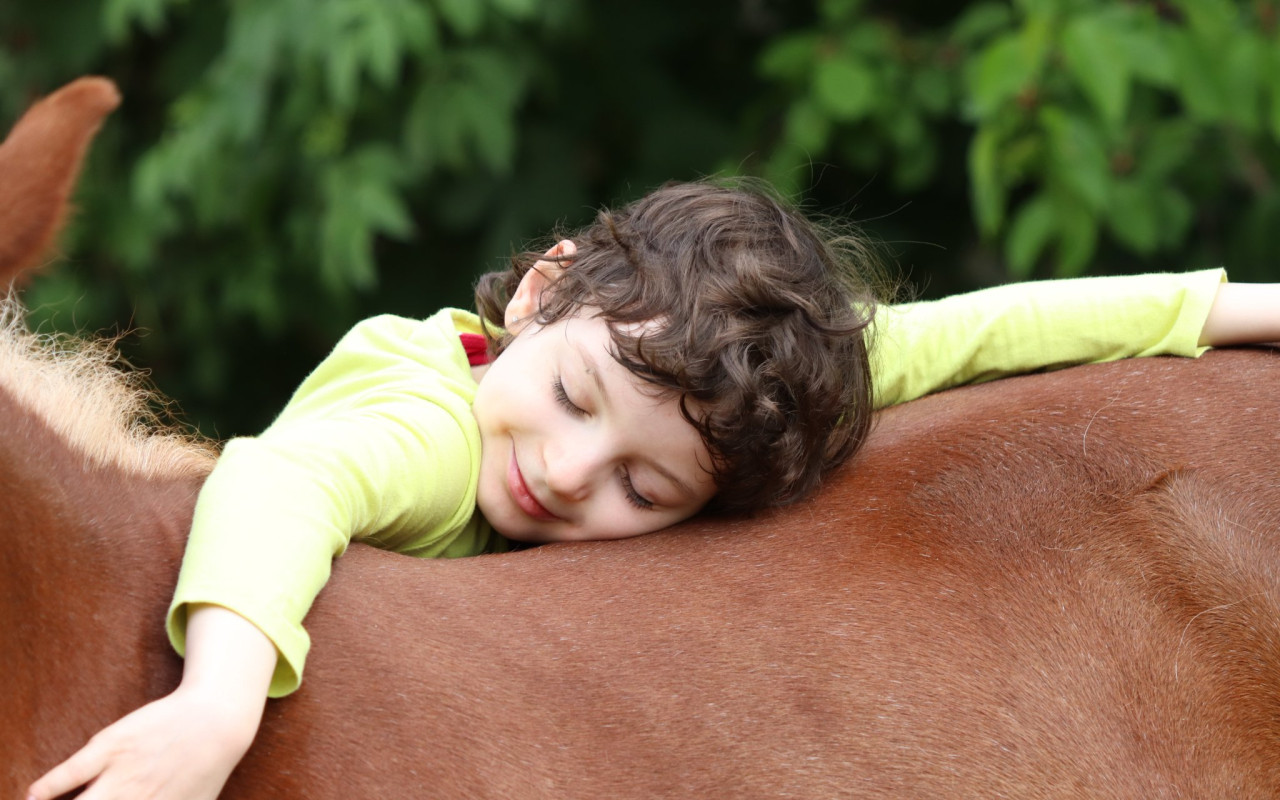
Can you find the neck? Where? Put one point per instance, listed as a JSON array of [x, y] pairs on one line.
[[90, 561]]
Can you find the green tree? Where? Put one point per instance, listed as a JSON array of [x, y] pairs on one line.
[[1144, 131], [282, 167]]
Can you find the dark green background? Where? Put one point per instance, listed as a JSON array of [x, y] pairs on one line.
[[281, 168]]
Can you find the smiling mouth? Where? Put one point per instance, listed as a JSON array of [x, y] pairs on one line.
[[523, 497]]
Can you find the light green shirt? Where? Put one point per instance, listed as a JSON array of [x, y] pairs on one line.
[[379, 443], [919, 348]]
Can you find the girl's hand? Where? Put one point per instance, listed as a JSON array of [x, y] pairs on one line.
[[183, 746]]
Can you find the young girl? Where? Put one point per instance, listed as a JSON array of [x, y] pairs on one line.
[[700, 349]]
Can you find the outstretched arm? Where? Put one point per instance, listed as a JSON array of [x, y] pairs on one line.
[[185, 745], [1243, 313], [925, 347]]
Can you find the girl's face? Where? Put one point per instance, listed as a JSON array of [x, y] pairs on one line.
[[575, 447]]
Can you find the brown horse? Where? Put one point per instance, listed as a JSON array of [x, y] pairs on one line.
[[1061, 585]]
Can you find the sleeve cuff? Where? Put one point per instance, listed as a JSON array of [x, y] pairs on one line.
[[291, 641]]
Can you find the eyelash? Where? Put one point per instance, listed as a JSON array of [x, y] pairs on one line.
[[562, 397], [633, 497]]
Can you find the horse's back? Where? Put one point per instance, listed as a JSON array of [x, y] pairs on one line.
[[1056, 586]]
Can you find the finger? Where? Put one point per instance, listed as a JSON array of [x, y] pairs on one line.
[[73, 773]]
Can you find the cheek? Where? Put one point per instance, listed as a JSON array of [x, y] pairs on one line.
[[489, 406], [480, 413]]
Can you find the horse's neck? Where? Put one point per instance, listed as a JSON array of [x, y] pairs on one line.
[[91, 555], [58, 486]]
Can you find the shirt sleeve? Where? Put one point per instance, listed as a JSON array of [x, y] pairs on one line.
[[918, 348], [375, 445]]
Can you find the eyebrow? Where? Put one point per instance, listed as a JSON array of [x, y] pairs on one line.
[[589, 363]]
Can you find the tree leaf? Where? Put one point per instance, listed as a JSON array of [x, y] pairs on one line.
[[1176, 214], [417, 27], [491, 131], [1167, 148], [1133, 216], [342, 70], [1040, 8], [846, 88], [466, 17], [1098, 60], [789, 58], [931, 89], [118, 16], [1078, 238], [998, 74], [1006, 66], [988, 191], [914, 166], [1034, 224], [1274, 86], [383, 208], [789, 169], [1077, 158], [1198, 82], [1242, 65], [1212, 21], [1147, 54], [382, 48], [840, 11], [980, 21], [497, 74], [807, 128], [516, 9]]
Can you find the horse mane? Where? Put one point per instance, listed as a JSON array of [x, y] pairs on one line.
[[82, 391]]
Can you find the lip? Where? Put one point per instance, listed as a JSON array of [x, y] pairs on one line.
[[524, 498]]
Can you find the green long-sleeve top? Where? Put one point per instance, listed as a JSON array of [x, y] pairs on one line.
[[379, 443]]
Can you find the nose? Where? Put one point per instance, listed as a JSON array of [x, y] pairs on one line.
[[572, 468]]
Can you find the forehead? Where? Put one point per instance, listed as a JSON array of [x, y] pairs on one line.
[[591, 340], [648, 415]]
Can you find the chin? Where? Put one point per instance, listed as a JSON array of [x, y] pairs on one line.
[[504, 524], [525, 539]]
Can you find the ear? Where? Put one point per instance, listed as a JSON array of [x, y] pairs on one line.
[[525, 302], [39, 162]]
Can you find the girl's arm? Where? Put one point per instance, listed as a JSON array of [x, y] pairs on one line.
[[381, 421], [185, 745], [1243, 313], [377, 445], [925, 347]]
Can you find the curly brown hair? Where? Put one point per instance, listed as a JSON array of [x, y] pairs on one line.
[[762, 320]]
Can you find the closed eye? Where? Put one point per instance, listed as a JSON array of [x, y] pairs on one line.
[[562, 397], [635, 498]]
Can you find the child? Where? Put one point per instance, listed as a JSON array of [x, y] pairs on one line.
[[700, 349]]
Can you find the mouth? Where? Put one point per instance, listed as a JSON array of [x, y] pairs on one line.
[[524, 498]]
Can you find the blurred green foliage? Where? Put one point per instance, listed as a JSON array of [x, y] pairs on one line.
[[281, 168]]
